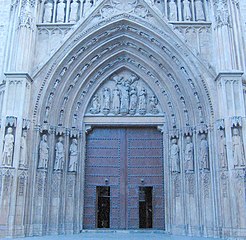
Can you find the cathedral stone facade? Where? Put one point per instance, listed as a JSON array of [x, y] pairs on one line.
[[123, 114]]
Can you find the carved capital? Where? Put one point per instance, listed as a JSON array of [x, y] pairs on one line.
[[11, 121], [220, 124], [74, 133], [202, 128], [26, 124], [60, 131], [236, 121], [45, 128]]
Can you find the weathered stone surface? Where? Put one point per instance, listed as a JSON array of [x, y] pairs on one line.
[[70, 66]]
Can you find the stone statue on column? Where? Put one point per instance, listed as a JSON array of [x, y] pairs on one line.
[[222, 150], [48, 10], [8, 148], [174, 156], [237, 148], [43, 153], [200, 16], [173, 11], [74, 11], [23, 150], [204, 153], [59, 155], [189, 155], [73, 156], [186, 10], [60, 14]]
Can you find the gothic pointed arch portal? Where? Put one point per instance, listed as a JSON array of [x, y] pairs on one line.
[[123, 74], [124, 181]]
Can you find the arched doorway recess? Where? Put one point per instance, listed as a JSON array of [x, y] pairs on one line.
[[71, 100]]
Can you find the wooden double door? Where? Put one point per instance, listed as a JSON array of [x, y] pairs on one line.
[[124, 179]]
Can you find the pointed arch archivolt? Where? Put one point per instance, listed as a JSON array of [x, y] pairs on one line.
[[177, 77]]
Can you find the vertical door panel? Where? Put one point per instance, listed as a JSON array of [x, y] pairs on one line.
[[128, 158], [103, 150], [145, 168]]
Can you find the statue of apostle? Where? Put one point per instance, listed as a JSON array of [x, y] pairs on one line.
[[8, 148], [189, 155], [237, 147], [204, 153], [43, 153], [59, 155], [73, 154], [174, 156]]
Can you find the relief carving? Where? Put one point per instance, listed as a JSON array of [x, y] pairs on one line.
[[26, 18], [95, 105], [133, 100], [124, 5], [142, 101], [8, 148], [153, 102], [237, 148], [43, 153], [116, 101], [106, 100], [222, 13], [124, 94], [59, 155]]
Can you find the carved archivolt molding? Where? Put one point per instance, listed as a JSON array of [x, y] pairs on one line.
[[67, 71]]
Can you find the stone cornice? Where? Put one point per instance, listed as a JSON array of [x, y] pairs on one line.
[[232, 73], [19, 75]]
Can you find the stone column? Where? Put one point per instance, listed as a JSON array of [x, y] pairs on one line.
[[225, 56], [15, 104], [230, 177]]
